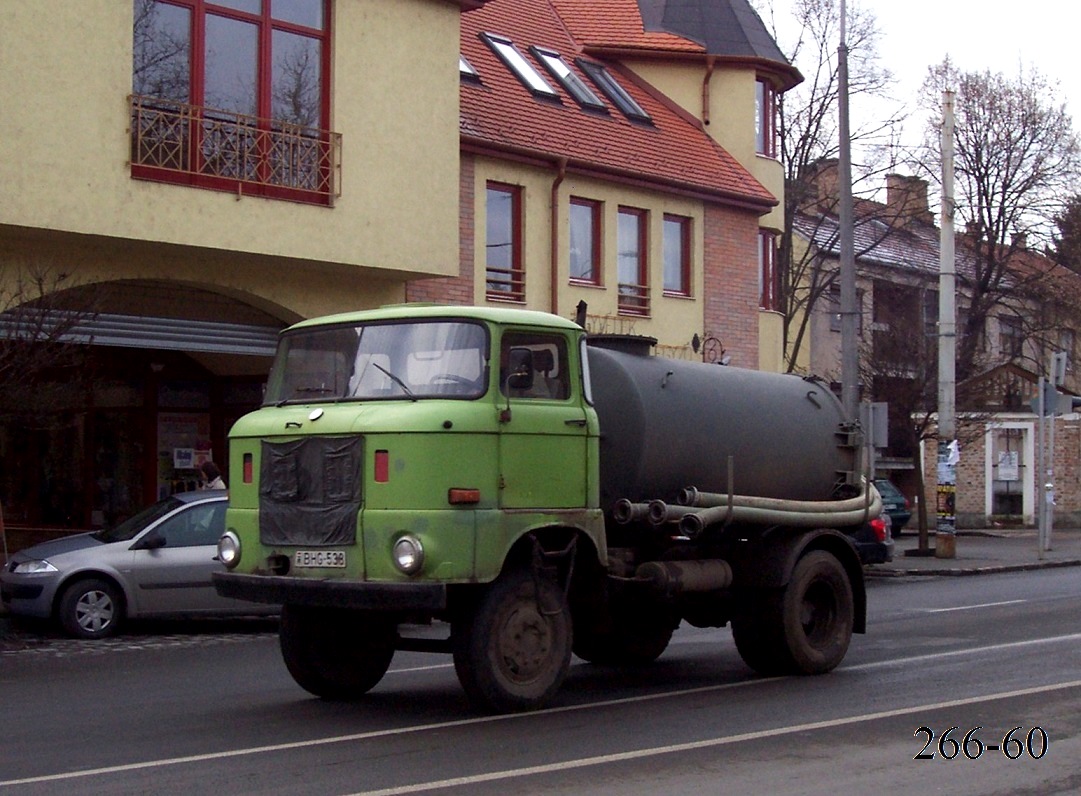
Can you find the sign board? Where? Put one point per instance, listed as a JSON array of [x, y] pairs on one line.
[[1008, 466]]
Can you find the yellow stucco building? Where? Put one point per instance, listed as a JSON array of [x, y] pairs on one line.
[[184, 178]]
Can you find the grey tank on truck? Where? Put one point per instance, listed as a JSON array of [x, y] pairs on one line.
[[532, 490], [666, 424]]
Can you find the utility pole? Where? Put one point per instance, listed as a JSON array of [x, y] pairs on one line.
[[946, 491], [849, 310]]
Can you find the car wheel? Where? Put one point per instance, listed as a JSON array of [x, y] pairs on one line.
[[91, 608]]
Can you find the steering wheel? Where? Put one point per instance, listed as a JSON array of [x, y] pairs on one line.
[[453, 378]]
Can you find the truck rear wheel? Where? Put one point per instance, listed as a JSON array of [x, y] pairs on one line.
[[513, 651], [334, 653], [804, 628]]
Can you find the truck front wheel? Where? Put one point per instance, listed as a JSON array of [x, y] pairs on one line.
[[804, 628], [334, 653], [513, 651]]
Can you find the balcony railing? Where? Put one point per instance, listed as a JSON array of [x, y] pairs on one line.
[[192, 145], [633, 299]]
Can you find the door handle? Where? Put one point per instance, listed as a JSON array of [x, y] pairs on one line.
[[578, 421]]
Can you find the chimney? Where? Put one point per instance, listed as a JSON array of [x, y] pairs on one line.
[[906, 199], [824, 183]]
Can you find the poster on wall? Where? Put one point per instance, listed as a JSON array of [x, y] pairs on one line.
[[183, 445], [1009, 468]]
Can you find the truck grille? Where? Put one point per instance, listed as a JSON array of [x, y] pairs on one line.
[[310, 491]]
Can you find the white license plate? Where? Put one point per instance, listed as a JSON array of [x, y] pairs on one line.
[[330, 559]]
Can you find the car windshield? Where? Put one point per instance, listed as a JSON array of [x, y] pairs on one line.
[[408, 360], [130, 527]]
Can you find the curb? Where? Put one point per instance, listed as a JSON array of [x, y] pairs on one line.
[[984, 570]]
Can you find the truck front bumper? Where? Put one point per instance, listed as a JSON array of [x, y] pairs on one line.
[[332, 593]]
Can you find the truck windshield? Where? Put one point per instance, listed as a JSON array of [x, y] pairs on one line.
[[409, 360]]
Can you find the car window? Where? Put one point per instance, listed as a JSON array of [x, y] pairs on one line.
[[133, 526], [539, 361], [202, 524], [887, 490]]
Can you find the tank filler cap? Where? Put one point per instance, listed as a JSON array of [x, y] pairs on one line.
[[637, 344]]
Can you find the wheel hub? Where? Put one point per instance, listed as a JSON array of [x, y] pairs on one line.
[[525, 644], [94, 611]]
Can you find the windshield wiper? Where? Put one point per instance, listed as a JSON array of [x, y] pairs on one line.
[[395, 379]]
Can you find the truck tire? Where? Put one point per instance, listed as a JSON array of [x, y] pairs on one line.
[[513, 650], [632, 640], [804, 628], [334, 653]]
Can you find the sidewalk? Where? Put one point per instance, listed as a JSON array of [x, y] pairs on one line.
[[982, 552]]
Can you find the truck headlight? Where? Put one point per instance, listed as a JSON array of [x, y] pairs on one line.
[[229, 549], [409, 554]]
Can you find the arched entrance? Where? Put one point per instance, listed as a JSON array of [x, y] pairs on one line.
[[153, 376]]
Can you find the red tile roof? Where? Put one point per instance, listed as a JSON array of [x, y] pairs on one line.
[[618, 24], [501, 114]]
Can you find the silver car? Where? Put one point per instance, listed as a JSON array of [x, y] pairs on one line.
[[158, 563]]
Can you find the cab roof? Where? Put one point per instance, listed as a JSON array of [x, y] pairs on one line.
[[400, 312]]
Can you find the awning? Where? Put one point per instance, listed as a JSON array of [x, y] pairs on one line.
[[136, 331]]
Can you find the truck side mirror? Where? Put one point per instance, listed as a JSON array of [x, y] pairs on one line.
[[520, 369]]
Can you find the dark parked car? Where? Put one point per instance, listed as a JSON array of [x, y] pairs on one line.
[[158, 563], [874, 541], [895, 504]]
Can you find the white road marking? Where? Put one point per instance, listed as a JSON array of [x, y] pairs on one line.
[[971, 607], [640, 754], [362, 736]]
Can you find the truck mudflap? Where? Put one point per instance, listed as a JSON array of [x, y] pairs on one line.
[[332, 593]]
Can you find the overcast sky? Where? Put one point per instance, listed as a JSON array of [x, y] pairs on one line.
[[977, 35]]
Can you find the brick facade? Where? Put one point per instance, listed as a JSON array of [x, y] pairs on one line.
[[971, 499], [730, 292]]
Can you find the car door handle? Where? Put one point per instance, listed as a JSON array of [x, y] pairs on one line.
[[578, 421]]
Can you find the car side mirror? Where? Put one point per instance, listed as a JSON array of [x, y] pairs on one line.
[[152, 541]]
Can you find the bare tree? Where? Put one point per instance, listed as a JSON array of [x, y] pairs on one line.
[[1017, 160], [807, 124], [41, 349]]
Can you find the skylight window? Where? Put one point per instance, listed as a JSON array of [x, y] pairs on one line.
[[466, 70], [530, 77], [575, 86], [615, 92]]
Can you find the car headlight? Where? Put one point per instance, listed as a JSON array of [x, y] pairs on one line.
[[229, 549], [409, 554], [35, 567]]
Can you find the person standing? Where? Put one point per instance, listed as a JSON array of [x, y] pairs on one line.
[[211, 476]]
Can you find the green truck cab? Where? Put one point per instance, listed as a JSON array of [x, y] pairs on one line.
[[420, 465]]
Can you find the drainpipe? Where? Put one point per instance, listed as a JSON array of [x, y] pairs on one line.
[[561, 172], [710, 62]]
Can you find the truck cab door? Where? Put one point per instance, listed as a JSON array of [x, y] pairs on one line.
[[543, 427]]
